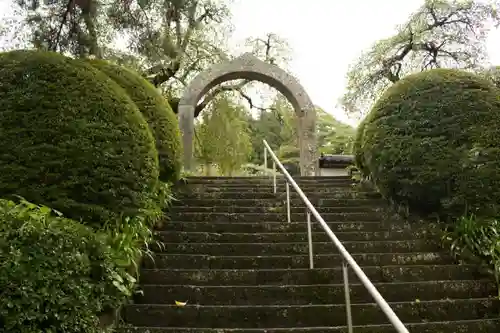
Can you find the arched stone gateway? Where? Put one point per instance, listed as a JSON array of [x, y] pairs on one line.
[[247, 66]]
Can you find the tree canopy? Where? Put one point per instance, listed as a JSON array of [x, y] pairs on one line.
[[440, 34]]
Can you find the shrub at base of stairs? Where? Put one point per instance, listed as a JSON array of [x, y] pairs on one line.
[[476, 240], [56, 275], [72, 139]]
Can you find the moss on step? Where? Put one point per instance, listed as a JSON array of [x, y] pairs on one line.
[[304, 315], [286, 261]]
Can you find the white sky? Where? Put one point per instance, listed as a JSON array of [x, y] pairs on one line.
[[326, 36]]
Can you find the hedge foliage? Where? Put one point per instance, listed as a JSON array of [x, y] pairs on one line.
[[72, 139], [357, 149], [158, 113], [56, 275], [432, 143]]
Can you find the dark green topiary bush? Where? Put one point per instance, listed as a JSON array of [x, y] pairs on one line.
[[358, 152], [433, 143], [160, 117], [72, 139], [56, 275]]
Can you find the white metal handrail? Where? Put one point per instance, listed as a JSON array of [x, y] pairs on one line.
[[348, 260]]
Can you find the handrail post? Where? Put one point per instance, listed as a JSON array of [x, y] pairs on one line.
[[265, 159], [288, 215], [274, 176], [345, 273], [348, 260], [309, 240]]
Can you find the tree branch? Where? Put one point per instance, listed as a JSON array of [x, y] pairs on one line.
[[182, 42], [391, 67], [238, 87], [64, 18]]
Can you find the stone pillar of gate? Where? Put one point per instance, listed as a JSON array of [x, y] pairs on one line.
[[248, 67], [307, 142], [186, 124]]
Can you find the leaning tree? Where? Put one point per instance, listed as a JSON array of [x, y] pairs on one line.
[[440, 34]]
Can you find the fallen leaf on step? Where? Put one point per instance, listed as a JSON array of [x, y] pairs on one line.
[[180, 303]]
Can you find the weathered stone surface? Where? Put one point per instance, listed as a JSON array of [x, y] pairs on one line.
[[271, 209], [277, 226], [247, 66], [265, 195], [296, 203], [185, 216], [291, 261], [289, 294], [261, 316], [274, 276], [279, 237], [215, 181], [243, 268], [279, 248], [459, 326]]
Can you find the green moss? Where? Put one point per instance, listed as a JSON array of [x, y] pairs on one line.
[[158, 113], [72, 139], [432, 143]]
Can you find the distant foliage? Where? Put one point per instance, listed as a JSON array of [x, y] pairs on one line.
[[223, 137], [333, 136]]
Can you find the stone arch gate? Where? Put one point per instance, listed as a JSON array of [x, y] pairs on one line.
[[247, 66]]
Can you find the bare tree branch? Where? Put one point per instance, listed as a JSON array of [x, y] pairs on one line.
[[53, 46]]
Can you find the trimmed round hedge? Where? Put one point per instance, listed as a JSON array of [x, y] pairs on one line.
[[357, 149], [72, 139], [158, 113], [432, 143]]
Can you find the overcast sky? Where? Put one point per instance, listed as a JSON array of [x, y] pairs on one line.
[[326, 36]]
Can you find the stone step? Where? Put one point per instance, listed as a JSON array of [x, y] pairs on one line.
[[202, 261], [332, 194], [263, 249], [304, 186], [270, 209], [226, 316], [208, 202], [307, 189], [247, 179], [458, 326], [271, 237], [210, 277], [257, 227], [290, 294], [188, 216], [271, 196], [267, 181]]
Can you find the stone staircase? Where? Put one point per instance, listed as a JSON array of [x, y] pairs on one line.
[[229, 252]]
